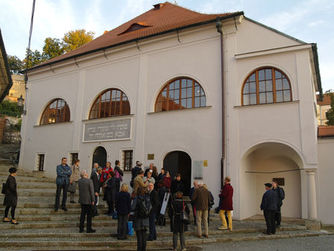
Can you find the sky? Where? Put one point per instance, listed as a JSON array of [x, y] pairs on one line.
[[308, 20]]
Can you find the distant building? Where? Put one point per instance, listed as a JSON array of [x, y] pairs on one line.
[[17, 90], [5, 79], [322, 107]]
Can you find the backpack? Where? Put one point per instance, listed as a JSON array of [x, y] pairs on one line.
[[118, 176], [143, 207]]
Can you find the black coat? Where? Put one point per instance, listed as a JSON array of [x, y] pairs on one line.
[[178, 207], [11, 192], [96, 182], [123, 203], [155, 202], [269, 201], [280, 195], [177, 186]]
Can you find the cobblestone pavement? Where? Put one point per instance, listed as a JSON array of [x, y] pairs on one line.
[[322, 243]]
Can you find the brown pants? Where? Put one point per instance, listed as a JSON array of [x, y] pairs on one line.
[[202, 215]]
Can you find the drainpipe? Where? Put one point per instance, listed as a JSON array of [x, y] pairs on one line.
[[219, 26]]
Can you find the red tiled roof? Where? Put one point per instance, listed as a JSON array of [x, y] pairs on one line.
[[326, 131], [162, 18], [326, 100]]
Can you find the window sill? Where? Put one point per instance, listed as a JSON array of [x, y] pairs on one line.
[[187, 109], [281, 103], [52, 124], [108, 118]]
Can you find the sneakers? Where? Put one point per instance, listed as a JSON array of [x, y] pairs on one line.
[[222, 228]]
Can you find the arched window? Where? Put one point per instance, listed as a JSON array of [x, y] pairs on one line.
[[111, 102], [180, 93], [56, 111], [265, 86]]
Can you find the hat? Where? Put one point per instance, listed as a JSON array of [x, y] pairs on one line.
[[139, 163], [12, 170], [268, 184]]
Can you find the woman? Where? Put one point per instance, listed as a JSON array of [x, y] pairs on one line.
[[177, 184], [155, 173], [74, 178], [123, 207], [167, 181], [10, 200], [179, 207], [149, 179], [226, 196], [110, 192], [118, 175], [141, 207]]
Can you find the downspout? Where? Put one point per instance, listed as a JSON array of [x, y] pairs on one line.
[[219, 26]]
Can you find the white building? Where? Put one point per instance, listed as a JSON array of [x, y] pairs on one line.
[[151, 90]]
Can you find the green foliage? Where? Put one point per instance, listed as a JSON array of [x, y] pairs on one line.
[[74, 39], [15, 64], [34, 58], [53, 47], [330, 112], [10, 109]]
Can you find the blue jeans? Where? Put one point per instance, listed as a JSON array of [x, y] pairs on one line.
[[153, 232]]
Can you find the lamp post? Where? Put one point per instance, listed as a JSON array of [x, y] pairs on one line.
[[20, 103]]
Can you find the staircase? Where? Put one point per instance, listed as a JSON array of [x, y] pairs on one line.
[[41, 228]]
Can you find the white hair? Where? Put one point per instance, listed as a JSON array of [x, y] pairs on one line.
[[83, 173]]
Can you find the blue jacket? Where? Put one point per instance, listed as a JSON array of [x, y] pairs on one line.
[[269, 201], [63, 175]]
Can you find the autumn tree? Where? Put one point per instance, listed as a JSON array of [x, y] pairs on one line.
[[15, 64], [74, 39], [53, 47]]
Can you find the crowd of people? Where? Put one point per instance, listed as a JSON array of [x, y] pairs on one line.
[[154, 196]]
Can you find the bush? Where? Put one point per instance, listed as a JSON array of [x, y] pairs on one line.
[[10, 109]]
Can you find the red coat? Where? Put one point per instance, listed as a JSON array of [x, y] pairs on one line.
[[167, 182], [226, 198]]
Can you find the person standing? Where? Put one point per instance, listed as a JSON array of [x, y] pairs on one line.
[[148, 178], [63, 180], [118, 175], [150, 168], [105, 172], [139, 182], [141, 206], [74, 179], [154, 198], [192, 190], [281, 195], [269, 205], [201, 199], [177, 184], [123, 207], [134, 172], [86, 199], [226, 205], [96, 184], [10, 200], [110, 193]]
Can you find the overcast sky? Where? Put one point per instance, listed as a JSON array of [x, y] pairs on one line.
[[307, 20]]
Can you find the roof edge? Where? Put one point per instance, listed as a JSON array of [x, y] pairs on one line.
[[3, 51], [276, 31], [235, 14], [317, 69]]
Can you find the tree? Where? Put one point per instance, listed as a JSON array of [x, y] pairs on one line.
[[330, 112], [75, 39], [10, 109], [53, 47], [34, 58], [15, 64]]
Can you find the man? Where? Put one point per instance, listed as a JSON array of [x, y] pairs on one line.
[[139, 182], [86, 199], [63, 180], [154, 198], [118, 175], [150, 168], [201, 199], [96, 184], [177, 184], [192, 190], [269, 205], [134, 172], [281, 196], [226, 204]]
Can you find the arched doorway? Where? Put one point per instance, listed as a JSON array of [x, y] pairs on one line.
[[179, 162], [265, 162], [100, 156]]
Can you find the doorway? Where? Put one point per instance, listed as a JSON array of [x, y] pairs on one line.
[[179, 162], [100, 156]]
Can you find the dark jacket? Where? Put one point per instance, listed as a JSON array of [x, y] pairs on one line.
[[96, 182], [86, 191], [201, 198], [111, 189], [226, 195], [155, 202], [63, 175], [140, 223], [269, 201], [123, 203], [135, 172], [11, 192], [177, 186], [280, 195], [178, 208]]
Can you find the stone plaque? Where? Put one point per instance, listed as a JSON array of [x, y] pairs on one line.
[[150, 156], [107, 130]]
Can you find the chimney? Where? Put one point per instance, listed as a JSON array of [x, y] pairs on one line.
[[158, 6]]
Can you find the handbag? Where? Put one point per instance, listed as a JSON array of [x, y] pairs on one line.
[[4, 188], [185, 216], [71, 188]]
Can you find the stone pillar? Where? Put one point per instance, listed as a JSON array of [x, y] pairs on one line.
[[312, 196]]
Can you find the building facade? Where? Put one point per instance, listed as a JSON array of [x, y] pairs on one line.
[[203, 95]]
